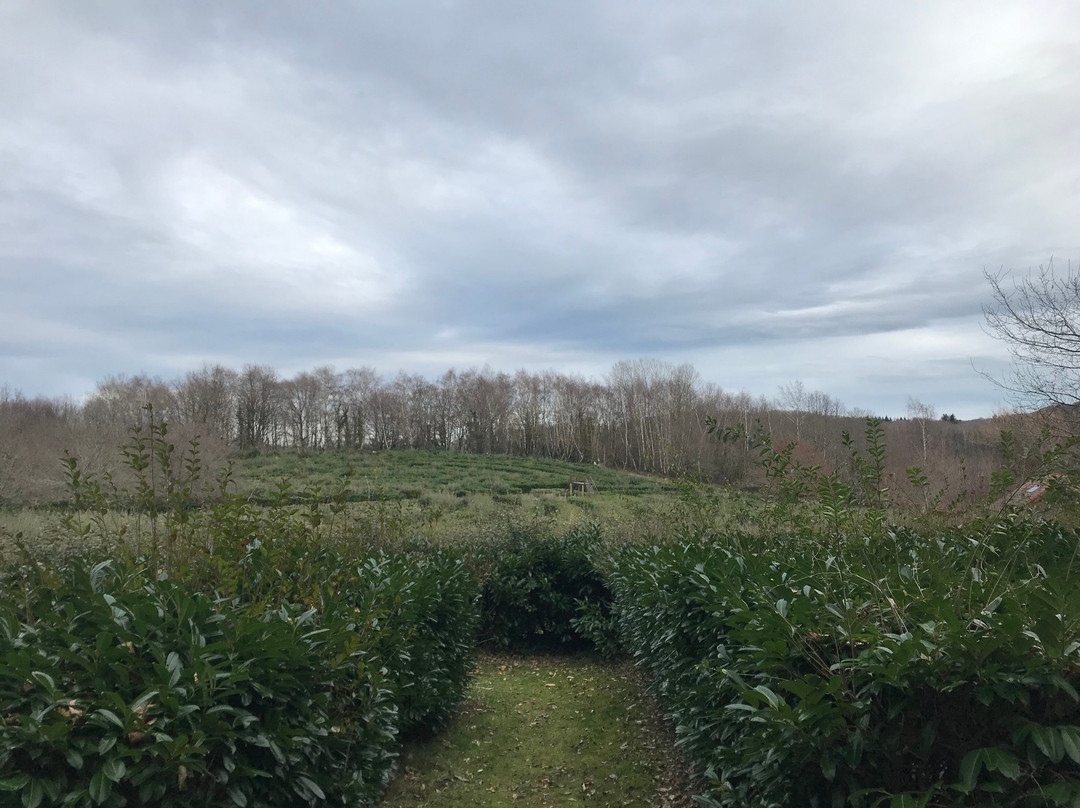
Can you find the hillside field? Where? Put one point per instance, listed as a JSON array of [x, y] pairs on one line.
[[390, 496], [409, 474]]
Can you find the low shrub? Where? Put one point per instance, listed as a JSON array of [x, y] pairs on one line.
[[545, 593]]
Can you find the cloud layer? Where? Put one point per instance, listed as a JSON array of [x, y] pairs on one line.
[[770, 191]]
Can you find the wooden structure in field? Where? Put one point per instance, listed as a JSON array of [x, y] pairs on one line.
[[582, 487]]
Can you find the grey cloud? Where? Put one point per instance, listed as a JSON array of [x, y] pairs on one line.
[[284, 185]]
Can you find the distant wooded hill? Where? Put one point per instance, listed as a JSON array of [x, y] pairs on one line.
[[646, 416]]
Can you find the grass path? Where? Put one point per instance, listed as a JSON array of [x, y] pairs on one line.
[[546, 731]]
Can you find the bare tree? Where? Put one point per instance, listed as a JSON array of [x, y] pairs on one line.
[[449, 431], [308, 407], [527, 412], [921, 413], [793, 399], [1038, 317], [206, 398], [257, 396], [419, 412], [120, 403], [385, 408], [575, 418], [357, 392], [33, 435]]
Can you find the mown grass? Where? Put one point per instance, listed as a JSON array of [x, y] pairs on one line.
[[546, 731]]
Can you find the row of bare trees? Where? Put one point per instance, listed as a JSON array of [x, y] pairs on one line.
[[645, 415]]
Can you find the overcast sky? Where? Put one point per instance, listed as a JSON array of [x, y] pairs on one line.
[[771, 191]]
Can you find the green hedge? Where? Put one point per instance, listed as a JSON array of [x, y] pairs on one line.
[[900, 671], [546, 593], [428, 635], [120, 688], [421, 604]]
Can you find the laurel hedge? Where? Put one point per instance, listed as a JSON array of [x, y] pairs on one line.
[[122, 687], [903, 670]]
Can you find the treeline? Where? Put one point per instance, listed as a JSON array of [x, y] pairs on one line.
[[645, 415]]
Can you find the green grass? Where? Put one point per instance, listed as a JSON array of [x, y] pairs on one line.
[[546, 731], [443, 496], [409, 474]]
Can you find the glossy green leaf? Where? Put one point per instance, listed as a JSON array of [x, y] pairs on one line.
[[14, 783]]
